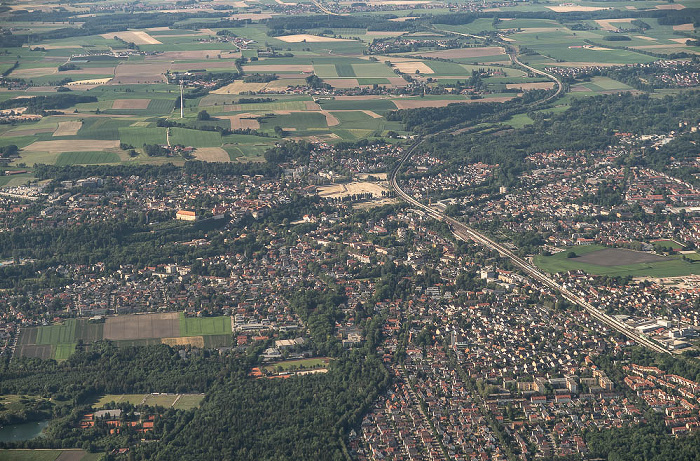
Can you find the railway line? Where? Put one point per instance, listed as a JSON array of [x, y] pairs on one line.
[[464, 232]]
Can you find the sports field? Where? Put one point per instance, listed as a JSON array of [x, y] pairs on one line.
[[598, 260], [176, 401], [304, 364]]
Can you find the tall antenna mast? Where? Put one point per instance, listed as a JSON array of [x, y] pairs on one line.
[[182, 102]]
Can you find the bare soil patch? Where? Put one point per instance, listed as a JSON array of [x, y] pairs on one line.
[[239, 86], [343, 190], [330, 118], [90, 70], [71, 145], [610, 257], [145, 326], [381, 33], [211, 154], [196, 341], [138, 37], [244, 121], [606, 24], [566, 9], [34, 72], [410, 67], [68, 128], [130, 103], [251, 16], [152, 72], [670, 6], [466, 52], [90, 84], [688, 26], [308, 38]]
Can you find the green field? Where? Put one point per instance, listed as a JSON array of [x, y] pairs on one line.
[[300, 121], [48, 455], [200, 326], [306, 364], [559, 262], [177, 401], [86, 158], [102, 128], [377, 105], [63, 351], [137, 136], [344, 70], [194, 138]]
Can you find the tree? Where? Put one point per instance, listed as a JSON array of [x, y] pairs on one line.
[[203, 115]]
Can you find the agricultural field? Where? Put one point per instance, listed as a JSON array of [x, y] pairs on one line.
[[59, 341], [127, 77], [198, 326], [597, 260]]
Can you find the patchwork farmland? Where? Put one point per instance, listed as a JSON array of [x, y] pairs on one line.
[[60, 340]]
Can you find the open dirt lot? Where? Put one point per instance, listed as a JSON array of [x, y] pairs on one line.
[[618, 257], [343, 190], [670, 6], [130, 103], [142, 326], [71, 145], [211, 154], [412, 66], [466, 52], [138, 37], [308, 38], [68, 128]]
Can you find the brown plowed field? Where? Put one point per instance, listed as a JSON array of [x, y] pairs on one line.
[[142, 326]]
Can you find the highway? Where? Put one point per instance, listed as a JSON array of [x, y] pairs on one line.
[[464, 232]]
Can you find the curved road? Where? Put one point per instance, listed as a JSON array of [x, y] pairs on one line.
[[464, 232]]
